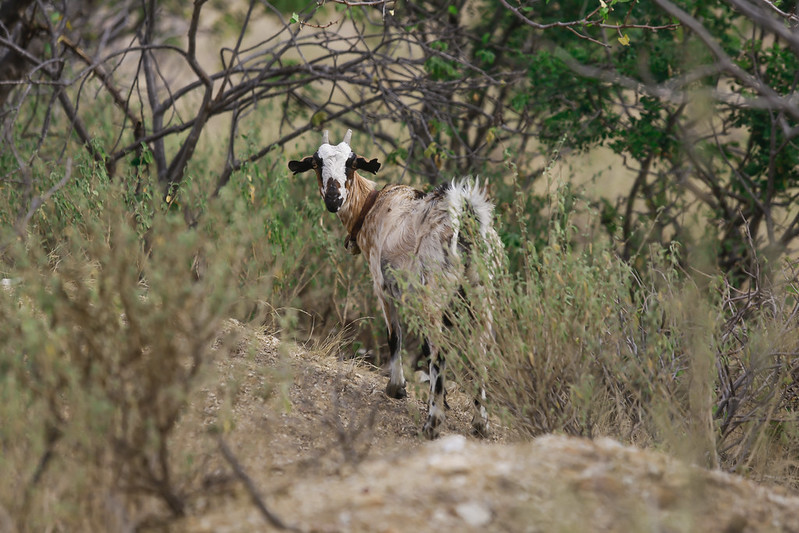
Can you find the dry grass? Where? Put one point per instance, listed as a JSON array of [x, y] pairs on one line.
[[115, 385], [660, 357]]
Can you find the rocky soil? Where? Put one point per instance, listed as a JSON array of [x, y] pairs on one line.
[[330, 452]]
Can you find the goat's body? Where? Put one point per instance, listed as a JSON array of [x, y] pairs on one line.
[[418, 235], [403, 231], [406, 231]]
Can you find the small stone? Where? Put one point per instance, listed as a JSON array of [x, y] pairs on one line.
[[449, 464], [452, 443], [474, 513]]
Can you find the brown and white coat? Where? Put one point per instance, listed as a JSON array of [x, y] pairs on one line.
[[401, 229]]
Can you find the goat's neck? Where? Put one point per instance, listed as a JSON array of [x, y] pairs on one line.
[[360, 188]]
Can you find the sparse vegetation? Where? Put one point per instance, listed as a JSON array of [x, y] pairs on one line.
[[127, 241], [587, 345]]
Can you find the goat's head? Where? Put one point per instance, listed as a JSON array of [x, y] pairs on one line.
[[335, 167]]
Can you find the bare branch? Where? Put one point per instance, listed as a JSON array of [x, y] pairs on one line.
[[101, 75], [726, 64], [271, 518], [147, 60], [38, 201], [584, 22], [174, 173]]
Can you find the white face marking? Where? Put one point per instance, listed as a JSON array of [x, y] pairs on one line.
[[334, 159]]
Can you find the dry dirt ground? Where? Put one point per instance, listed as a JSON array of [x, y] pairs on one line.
[[330, 452]]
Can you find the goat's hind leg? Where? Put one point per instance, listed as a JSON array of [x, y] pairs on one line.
[[424, 359], [396, 380], [437, 402], [435, 412], [480, 416]]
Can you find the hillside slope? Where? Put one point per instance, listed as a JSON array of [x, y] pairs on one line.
[[335, 454]]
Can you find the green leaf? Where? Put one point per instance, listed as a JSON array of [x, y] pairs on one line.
[[486, 56], [431, 150], [295, 18], [453, 10], [318, 118]]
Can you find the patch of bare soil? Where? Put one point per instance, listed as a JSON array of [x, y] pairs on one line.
[[333, 453]]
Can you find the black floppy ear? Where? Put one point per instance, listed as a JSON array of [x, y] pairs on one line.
[[301, 166], [369, 166]]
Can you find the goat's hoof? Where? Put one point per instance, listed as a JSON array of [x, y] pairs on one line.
[[432, 428], [396, 391], [480, 428]]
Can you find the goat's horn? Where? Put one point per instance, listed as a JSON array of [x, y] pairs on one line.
[[348, 137], [325, 139]]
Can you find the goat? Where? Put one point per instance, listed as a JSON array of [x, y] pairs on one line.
[[401, 229]]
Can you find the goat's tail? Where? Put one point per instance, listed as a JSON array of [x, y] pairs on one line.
[[471, 214]]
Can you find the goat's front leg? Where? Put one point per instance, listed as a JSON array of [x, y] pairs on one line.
[[480, 416], [396, 380], [435, 413]]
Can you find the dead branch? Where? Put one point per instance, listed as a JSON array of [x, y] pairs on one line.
[[252, 490]]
